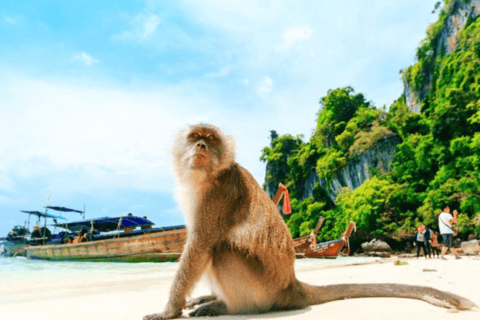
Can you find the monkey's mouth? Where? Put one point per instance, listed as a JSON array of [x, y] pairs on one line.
[[199, 155], [199, 159]]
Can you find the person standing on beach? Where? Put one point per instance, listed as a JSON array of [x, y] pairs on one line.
[[445, 221], [426, 237], [420, 241], [433, 247]]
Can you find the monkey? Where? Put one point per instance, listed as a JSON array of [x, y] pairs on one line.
[[238, 241]]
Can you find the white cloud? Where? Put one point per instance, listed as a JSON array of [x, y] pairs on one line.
[[111, 136], [150, 25], [142, 27], [85, 58], [326, 51], [294, 36], [10, 20], [222, 72], [6, 184], [244, 81], [81, 138], [265, 85]]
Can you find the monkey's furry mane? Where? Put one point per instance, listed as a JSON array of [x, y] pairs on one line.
[[227, 149]]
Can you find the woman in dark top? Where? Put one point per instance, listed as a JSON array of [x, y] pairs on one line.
[[420, 240]]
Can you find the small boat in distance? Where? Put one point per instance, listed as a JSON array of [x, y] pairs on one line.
[[329, 249], [20, 236], [307, 247], [14, 241], [301, 244], [120, 239]]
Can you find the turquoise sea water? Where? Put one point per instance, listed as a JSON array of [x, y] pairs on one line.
[[20, 269], [23, 270]]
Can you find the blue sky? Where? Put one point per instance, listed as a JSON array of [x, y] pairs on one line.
[[92, 93]]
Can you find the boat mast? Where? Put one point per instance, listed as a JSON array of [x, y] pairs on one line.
[[46, 213]]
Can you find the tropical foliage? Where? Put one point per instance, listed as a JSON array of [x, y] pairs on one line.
[[437, 161]]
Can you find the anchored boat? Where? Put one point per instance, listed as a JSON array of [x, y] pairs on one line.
[[14, 241], [20, 236], [124, 239], [153, 245], [329, 249], [307, 247]]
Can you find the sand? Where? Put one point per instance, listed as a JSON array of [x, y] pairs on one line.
[[132, 297]]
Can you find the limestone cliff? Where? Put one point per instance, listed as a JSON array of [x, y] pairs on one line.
[[361, 168], [457, 14]]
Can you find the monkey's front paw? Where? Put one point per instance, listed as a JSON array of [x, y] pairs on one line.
[[163, 316]]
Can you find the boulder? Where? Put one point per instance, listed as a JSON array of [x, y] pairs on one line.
[[471, 247], [376, 246]]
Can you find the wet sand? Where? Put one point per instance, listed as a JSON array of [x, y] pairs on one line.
[[132, 297]]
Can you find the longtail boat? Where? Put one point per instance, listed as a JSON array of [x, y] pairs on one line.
[[302, 244], [329, 249], [307, 247], [122, 239], [154, 245]]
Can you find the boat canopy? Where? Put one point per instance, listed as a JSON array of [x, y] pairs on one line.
[[43, 215], [106, 224], [63, 209]]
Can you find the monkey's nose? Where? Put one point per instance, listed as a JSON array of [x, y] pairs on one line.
[[201, 145]]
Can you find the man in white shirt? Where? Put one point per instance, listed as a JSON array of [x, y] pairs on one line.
[[445, 221]]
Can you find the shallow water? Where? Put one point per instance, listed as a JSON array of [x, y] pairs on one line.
[[20, 269]]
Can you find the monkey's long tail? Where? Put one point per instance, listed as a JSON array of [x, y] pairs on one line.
[[318, 295]]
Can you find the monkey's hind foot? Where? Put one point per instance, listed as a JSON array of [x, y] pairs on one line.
[[155, 316], [210, 309], [200, 300], [162, 316]]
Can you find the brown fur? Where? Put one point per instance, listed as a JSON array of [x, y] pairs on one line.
[[237, 238]]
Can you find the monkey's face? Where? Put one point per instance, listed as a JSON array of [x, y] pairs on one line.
[[202, 148]]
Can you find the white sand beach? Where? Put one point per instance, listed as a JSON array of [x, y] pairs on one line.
[[133, 296]]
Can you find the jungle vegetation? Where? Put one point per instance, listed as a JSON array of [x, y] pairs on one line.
[[437, 161]]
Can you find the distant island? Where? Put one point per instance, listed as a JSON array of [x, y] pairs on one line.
[[390, 169]]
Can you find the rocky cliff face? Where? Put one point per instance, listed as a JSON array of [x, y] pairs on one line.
[[413, 97], [459, 13], [357, 170], [455, 22]]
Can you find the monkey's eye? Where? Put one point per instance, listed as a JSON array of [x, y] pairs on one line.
[[210, 137], [195, 135]]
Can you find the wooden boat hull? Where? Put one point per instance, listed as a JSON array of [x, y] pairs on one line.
[[148, 247], [325, 250], [301, 244]]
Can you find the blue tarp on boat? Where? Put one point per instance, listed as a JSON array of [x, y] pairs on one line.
[[63, 209], [106, 224], [44, 215]]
